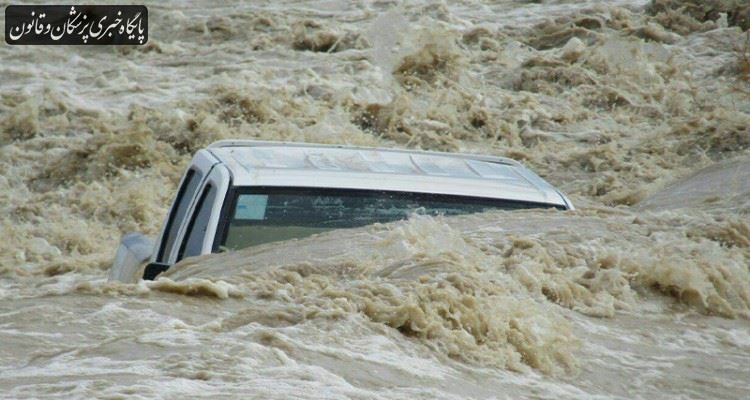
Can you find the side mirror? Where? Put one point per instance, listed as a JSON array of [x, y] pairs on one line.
[[134, 250]]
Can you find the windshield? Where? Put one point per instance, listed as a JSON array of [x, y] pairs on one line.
[[268, 214]]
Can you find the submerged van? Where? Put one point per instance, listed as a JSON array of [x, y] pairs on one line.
[[238, 194]]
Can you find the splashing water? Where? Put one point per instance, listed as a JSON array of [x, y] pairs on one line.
[[638, 110]]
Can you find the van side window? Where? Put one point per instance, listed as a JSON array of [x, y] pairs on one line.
[[181, 204], [193, 242]]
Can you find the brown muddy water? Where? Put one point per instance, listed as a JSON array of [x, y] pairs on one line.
[[639, 110]]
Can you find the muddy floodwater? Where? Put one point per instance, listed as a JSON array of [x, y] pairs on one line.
[[638, 110]]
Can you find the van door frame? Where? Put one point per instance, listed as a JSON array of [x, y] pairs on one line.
[[202, 163], [220, 178]]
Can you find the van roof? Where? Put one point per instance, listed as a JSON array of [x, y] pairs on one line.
[[264, 163]]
